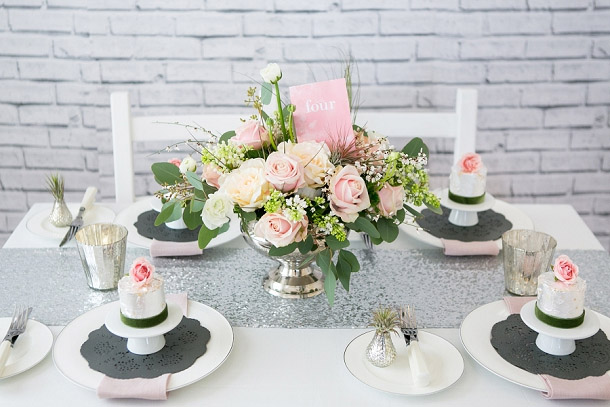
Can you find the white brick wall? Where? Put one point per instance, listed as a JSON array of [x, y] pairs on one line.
[[542, 69]]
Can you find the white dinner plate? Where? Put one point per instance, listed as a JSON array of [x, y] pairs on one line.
[[67, 357], [30, 348], [445, 364], [129, 216], [39, 223], [475, 334], [516, 216]]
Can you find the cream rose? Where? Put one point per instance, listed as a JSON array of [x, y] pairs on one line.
[[348, 194], [247, 185], [315, 157], [284, 171], [188, 164], [390, 199], [251, 133], [279, 230], [210, 174], [271, 73], [216, 210]]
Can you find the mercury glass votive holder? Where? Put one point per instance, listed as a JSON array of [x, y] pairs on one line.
[[102, 248], [526, 254]]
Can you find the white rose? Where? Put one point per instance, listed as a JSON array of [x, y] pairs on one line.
[[315, 157], [188, 164], [216, 210], [247, 186], [271, 73]]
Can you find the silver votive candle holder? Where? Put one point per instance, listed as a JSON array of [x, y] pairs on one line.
[[526, 254], [102, 248]]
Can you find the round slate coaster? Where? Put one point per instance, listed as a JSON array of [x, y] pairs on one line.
[[108, 354], [516, 343], [146, 227], [491, 226]]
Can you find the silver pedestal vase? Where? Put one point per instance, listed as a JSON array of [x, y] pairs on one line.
[[295, 276]]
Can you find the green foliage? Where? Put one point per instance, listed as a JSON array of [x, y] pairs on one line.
[[362, 224], [436, 209], [388, 230], [306, 245], [55, 186], [194, 180], [336, 244], [226, 136], [191, 219], [171, 211], [205, 236], [166, 173], [414, 147], [284, 250]]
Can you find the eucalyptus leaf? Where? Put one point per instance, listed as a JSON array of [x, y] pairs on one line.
[[281, 251], [166, 173], [192, 219], [198, 201], [324, 260], [412, 211], [205, 236], [400, 215], [226, 136], [336, 244], [362, 224], [194, 180], [351, 259], [170, 212], [414, 147], [266, 93], [387, 229], [224, 227], [436, 209], [330, 283], [306, 245], [344, 271]]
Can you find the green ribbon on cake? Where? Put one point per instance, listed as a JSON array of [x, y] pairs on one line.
[[145, 322], [467, 200], [559, 322]]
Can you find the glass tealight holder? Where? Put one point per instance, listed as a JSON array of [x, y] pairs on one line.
[[526, 254], [102, 249]]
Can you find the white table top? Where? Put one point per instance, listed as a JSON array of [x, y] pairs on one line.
[[303, 367]]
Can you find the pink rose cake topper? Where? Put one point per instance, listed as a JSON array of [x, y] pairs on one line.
[[470, 162], [141, 271], [565, 270]]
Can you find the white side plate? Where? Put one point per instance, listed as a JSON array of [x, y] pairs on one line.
[[67, 357], [30, 348], [475, 334], [39, 223], [444, 361]]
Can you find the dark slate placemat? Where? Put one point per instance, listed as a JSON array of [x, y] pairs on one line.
[[108, 354], [490, 227], [146, 227], [516, 343]]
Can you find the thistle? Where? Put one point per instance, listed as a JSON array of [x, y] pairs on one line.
[[385, 320], [55, 185]]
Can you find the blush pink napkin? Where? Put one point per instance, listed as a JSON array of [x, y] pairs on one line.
[[159, 248], [458, 248], [138, 388], [592, 387]]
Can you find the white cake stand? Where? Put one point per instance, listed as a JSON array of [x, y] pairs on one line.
[[143, 341], [463, 214], [558, 341]]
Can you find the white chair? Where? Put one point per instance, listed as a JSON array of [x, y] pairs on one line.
[[460, 124], [126, 129]]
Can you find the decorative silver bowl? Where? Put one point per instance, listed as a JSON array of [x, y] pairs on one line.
[[294, 276]]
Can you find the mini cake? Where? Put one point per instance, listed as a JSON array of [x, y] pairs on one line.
[[467, 180], [561, 295], [142, 296]]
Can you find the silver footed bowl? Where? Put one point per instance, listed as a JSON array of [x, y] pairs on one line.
[[295, 276]]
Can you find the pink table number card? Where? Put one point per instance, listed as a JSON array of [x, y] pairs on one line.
[[322, 113]]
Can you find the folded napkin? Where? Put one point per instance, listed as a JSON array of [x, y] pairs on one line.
[[459, 248], [139, 388], [592, 387], [159, 248]]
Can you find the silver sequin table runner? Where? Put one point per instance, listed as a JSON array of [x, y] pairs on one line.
[[443, 289]]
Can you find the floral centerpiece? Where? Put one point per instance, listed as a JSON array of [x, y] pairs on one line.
[[299, 196]]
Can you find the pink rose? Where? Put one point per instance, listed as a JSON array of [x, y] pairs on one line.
[[390, 200], [175, 161], [348, 194], [470, 162], [210, 174], [251, 133], [284, 172], [279, 230], [565, 270], [141, 271]]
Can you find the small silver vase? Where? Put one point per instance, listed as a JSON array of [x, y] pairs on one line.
[[60, 215], [381, 351], [294, 276]]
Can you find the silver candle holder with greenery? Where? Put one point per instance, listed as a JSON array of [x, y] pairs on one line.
[[60, 215], [381, 351]]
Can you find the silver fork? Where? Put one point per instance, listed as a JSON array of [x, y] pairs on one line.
[[17, 327], [77, 223], [417, 362], [367, 240]]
